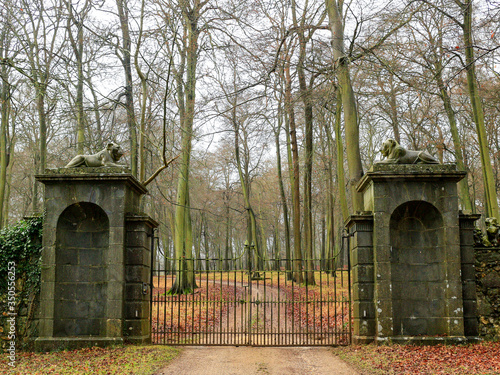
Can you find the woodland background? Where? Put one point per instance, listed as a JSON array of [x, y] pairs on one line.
[[274, 107]]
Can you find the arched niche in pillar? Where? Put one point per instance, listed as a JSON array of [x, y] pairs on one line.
[[418, 270], [82, 241]]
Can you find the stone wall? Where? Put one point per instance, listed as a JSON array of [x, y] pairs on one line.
[[417, 265], [488, 291], [82, 243], [95, 259], [467, 222], [139, 237], [363, 307], [407, 266]]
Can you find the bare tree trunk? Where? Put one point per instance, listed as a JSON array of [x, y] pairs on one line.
[[334, 8], [197, 248], [308, 159], [144, 87], [251, 222], [190, 261], [184, 281], [99, 141], [390, 96], [295, 177], [276, 246], [77, 46], [340, 158], [491, 199], [42, 151], [127, 67], [284, 204], [4, 121], [205, 242], [463, 184]]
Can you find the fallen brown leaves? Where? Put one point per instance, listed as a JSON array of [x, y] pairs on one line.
[[123, 360], [322, 309], [483, 358], [176, 318]]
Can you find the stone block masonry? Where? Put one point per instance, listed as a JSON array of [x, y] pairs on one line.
[[488, 291], [96, 256], [138, 258], [411, 266]]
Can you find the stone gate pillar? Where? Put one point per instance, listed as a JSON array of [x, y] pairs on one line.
[[407, 282], [95, 260]]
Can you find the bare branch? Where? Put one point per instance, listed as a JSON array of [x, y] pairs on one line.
[[159, 170]]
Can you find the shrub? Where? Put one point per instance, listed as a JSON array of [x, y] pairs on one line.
[[22, 244]]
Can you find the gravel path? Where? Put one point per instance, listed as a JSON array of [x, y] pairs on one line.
[[202, 360]]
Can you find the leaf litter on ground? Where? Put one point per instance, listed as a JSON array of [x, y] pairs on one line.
[[472, 359]]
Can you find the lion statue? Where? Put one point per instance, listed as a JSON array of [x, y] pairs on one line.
[[478, 237], [396, 154], [492, 237], [105, 158]]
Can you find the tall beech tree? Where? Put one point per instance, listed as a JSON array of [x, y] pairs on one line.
[[5, 107], [466, 9], [341, 61], [284, 203], [76, 19], [125, 56], [191, 11], [293, 159], [304, 33], [491, 200]]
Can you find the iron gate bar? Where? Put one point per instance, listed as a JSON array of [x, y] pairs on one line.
[[232, 307]]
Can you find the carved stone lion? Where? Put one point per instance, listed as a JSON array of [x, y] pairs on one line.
[[105, 158], [478, 237], [492, 237], [396, 154]]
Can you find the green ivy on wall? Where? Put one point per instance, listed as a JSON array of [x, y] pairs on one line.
[[20, 252], [22, 244]]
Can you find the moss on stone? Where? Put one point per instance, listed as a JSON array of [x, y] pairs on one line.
[[413, 168], [87, 170]]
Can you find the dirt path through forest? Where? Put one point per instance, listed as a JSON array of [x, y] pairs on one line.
[[203, 360], [260, 326], [266, 319]]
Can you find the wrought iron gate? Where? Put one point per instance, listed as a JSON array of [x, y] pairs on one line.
[[237, 304]]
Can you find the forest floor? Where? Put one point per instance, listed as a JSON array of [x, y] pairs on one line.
[[119, 360], [477, 359], [473, 359]]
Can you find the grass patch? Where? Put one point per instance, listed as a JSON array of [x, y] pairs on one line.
[[123, 360]]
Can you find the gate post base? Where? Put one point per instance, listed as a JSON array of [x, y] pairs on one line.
[[424, 340], [362, 340]]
